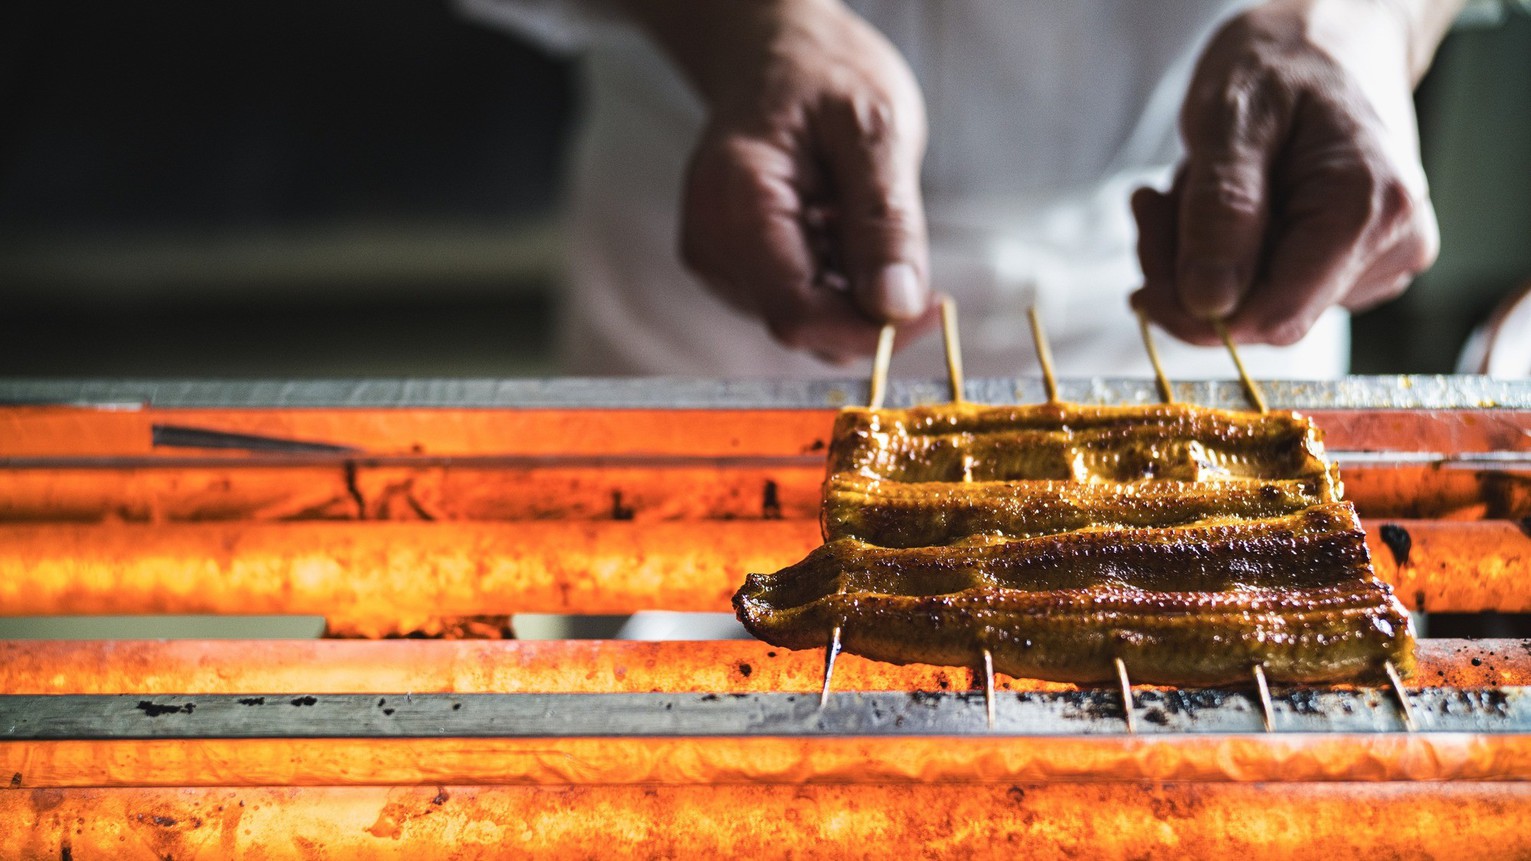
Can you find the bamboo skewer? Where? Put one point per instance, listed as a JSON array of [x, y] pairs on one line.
[[1121, 676], [1266, 708], [1404, 705], [1044, 356], [1251, 390], [880, 362], [1166, 393], [829, 665], [953, 347], [988, 686]]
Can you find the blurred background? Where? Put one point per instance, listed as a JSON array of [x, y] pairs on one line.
[[370, 188]]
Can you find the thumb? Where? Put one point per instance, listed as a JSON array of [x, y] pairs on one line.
[[1224, 213], [875, 166]]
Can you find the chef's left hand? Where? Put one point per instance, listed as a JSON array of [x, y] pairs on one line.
[[1302, 186]]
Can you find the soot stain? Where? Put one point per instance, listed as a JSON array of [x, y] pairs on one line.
[[305, 701], [1398, 542], [770, 501], [745, 670], [618, 510], [252, 701], [153, 709], [1304, 702]]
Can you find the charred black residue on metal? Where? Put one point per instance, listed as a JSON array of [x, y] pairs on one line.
[[65, 852], [1398, 542], [388, 712], [1092, 705], [1489, 700], [770, 501], [352, 488], [456, 707], [710, 698], [745, 670], [252, 701], [15, 780], [618, 510], [153, 709], [1159, 706], [304, 701], [927, 699], [1304, 701], [441, 797]]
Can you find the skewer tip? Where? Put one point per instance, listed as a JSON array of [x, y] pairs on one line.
[[1266, 707], [830, 654], [1405, 708], [988, 686], [1121, 677]]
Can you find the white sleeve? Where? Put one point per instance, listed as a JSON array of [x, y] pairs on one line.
[[565, 26]]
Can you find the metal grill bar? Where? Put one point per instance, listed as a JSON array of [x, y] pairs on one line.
[[1090, 712], [1374, 392]]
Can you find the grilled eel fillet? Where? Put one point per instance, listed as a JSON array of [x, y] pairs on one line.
[[1190, 542], [1196, 604], [1070, 442], [914, 514]]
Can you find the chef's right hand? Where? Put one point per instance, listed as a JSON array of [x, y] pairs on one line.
[[802, 201]]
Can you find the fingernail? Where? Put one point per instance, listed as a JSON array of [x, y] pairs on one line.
[[897, 292], [1211, 290]]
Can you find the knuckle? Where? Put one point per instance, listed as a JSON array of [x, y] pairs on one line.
[[874, 118], [1227, 191], [1391, 204]]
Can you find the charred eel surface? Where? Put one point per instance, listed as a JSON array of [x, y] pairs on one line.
[[1193, 604], [1331, 634], [957, 442], [900, 514], [1191, 543]]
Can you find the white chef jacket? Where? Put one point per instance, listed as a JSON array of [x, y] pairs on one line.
[[1044, 116]]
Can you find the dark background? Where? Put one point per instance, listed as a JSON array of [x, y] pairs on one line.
[[367, 188]]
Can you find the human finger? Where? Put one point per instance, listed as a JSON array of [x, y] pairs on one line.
[[872, 151]]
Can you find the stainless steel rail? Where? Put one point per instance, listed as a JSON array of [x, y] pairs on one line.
[[1085, 712]]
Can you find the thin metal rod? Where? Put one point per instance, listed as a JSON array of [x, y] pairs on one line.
[[1403, 697], [1166, 393], [1266, 708], [1044, 355], [953, 346], [830, 654], [1121, 676], [988, 686], [880, 363], [1251, 390]]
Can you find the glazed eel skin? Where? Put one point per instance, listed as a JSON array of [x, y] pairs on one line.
[[1191, 543], [914, 514], [1188, 605], [1070, 442]]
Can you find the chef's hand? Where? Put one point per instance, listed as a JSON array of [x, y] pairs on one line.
[[1302, 186], [802, 201]]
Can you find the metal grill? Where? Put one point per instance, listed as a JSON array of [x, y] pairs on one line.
[[399, 508]]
